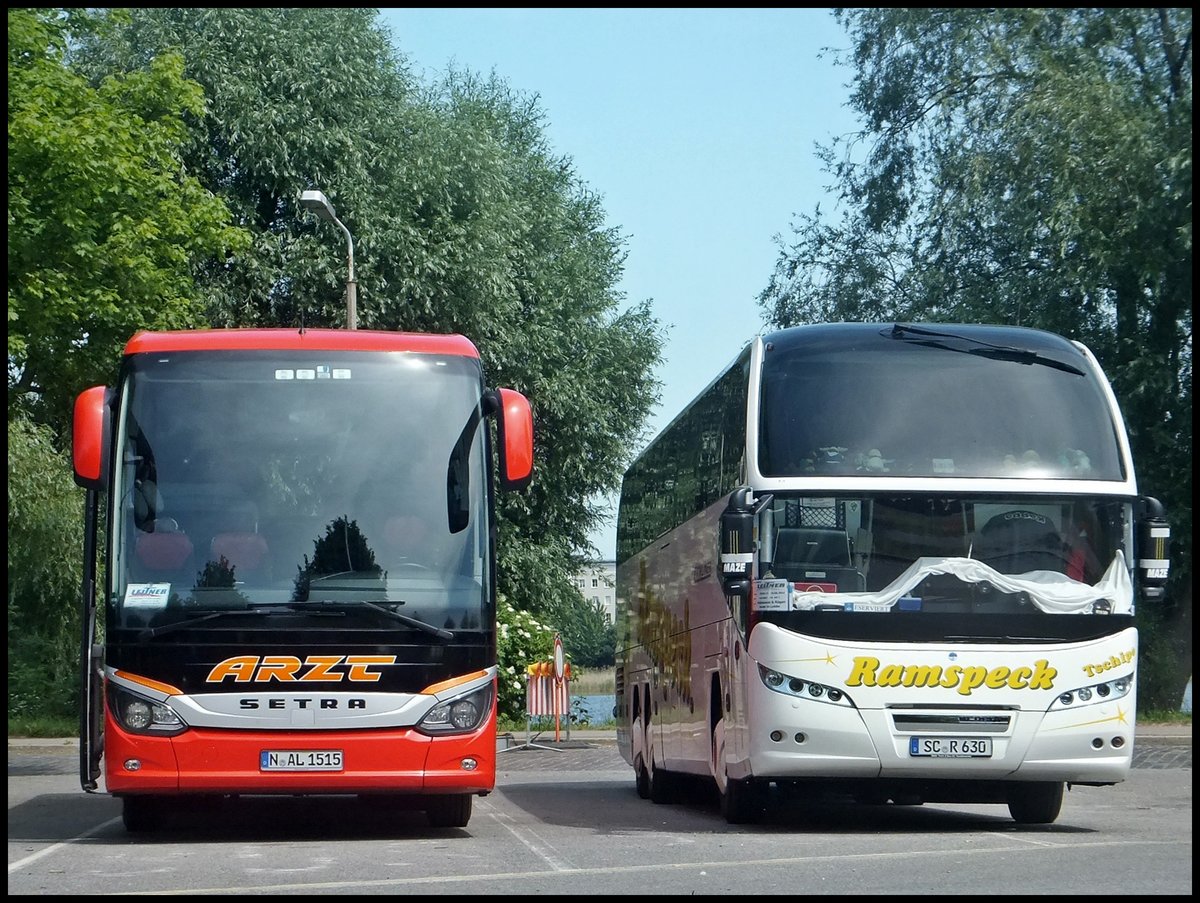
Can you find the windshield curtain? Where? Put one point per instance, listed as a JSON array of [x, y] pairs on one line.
[[278, 478], [925, 553]]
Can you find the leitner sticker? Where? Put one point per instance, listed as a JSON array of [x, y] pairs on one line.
[[771, 595], [147, 595]]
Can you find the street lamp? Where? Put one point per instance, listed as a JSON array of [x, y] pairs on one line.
[[319, 204]]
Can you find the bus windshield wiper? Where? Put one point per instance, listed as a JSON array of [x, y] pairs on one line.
[[148, 633], [980, 348], [326, 604]]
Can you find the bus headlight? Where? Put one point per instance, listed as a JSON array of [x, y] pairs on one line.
[[141, 715], [1093, 693], [801, 688], [458, 716]]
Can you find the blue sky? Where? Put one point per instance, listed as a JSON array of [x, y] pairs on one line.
[[697, 128]]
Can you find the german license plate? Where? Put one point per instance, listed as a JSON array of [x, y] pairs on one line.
[[951, 747], [300, 760]]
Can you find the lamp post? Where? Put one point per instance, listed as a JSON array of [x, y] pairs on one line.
[[319, 204]]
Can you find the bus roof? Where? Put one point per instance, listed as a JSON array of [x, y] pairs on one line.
[[299, 340], [818, 334]]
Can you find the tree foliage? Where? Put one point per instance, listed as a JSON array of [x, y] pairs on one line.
[[463, 220], [105, 226], [45, 553], [1030, 167], [156, 158]]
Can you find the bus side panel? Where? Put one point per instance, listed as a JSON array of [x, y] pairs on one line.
[[213, 761], [680, 623]]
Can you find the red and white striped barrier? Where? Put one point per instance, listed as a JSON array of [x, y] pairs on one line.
[[545, 695]]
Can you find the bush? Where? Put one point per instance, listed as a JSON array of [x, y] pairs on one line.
[[521, 640]]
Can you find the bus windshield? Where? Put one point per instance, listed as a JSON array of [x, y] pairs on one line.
[[955, 555], [933, 404], [304, 484]]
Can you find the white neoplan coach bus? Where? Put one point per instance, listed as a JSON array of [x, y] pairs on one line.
[[897, 562]]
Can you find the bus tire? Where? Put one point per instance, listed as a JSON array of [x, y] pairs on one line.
[[449, 810], [662, 785], [641, 778], [741, 801], [141, 814], [1036, 802]]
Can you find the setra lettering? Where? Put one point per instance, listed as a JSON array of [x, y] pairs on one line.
[[251, 703]]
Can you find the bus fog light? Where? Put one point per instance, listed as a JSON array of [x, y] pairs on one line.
[[132, 764], [1097, 743], [1118, 742], [776, 736], [469, 764]]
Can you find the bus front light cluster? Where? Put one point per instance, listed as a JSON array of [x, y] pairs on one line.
[[458, 716], [1089, 695], [141, 715], [802, 688]]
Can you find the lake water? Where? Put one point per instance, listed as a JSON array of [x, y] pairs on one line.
[[597, 709]]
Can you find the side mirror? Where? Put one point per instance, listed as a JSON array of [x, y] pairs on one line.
[[737, 543], [515, 424], [89, 438], [1153, 548]]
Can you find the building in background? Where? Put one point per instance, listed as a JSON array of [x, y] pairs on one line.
[[598, 584]]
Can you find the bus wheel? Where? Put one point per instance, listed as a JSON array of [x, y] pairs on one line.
[[142, 813], [450, 810], [718, 755], [741, 801], [642, 778], [1035, 803], [662, 784]]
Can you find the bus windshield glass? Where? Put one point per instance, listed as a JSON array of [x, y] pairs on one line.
[[960, 555], [300, 483], [936, 406]]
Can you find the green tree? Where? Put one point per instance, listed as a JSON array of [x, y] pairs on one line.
[[587, 633], [45, 552], [463, 220], [105, 226], [1032, 167]]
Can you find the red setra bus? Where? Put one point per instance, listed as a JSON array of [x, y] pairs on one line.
[[297, 590]]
